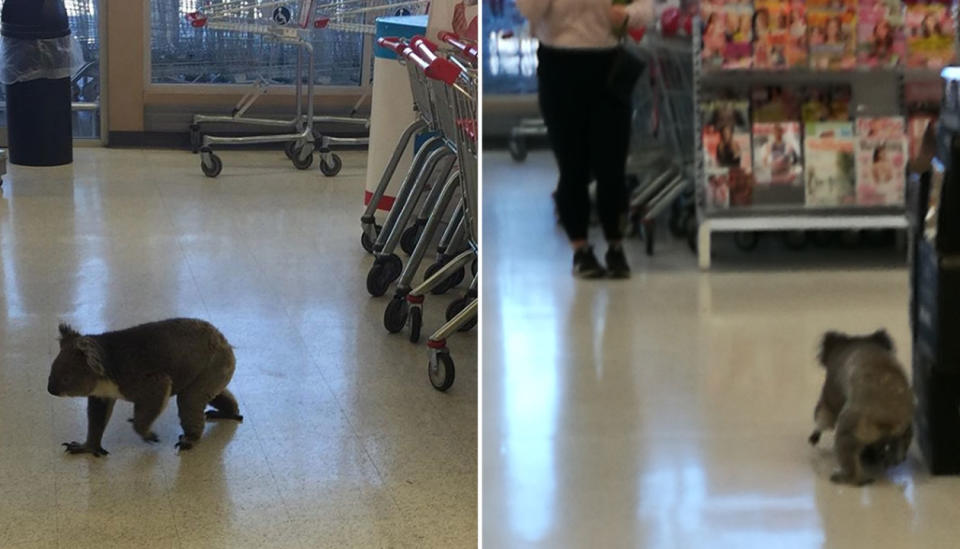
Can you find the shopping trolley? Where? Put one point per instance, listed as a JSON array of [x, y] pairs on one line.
[[248, 16], [661, 159], [450, 83], [423, 184]]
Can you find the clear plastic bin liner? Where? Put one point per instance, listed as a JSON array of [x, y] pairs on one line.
[[26, 60]]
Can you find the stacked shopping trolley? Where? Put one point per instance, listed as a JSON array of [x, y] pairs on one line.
[[437, 198]]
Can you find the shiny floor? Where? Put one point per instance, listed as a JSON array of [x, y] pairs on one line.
[[672, 410], [345, 443]]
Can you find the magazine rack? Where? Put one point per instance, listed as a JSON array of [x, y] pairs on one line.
[[875, 92]]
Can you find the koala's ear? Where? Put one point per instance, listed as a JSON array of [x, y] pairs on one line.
[[67, 331], [882, 338], [91, 351], [831, 340]]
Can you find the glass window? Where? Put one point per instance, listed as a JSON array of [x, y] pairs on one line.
[[510, 56], [183, 54]]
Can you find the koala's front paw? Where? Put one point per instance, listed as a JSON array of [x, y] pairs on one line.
[[150, 437], [839, 477], [814, 438], [82, 448], [184, 443]]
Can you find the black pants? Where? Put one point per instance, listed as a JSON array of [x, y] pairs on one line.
[[589, 129]]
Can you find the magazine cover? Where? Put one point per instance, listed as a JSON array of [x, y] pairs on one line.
[[774, 104], [832, 33], [881, 161], [738, 53], [727, 154], [770, 34], [916, 126], [881, 42], [797, 48], [825, 103], [829, 167], [777, 163], [930, 35], [714, 34], [726, 135]]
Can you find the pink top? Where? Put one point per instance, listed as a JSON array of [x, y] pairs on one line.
[[580, 23]]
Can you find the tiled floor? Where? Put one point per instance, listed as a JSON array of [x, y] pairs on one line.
[[672, 410], [345, 443]]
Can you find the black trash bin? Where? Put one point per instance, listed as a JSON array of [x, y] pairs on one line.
[[38, 59]]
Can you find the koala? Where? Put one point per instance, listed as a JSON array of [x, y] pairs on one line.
[[146, 365], [866, 397]]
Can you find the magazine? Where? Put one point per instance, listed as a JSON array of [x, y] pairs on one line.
[[825, 103], [777, 163], [930, 35], [738, 53], [829, 166], [881, 161], [797, 48], [774, 104], [714, 35], [727, 155], [881, 42], [832, 33], [770, 34]]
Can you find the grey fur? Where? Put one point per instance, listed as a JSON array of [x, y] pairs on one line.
[[146, 365], [867, 398]]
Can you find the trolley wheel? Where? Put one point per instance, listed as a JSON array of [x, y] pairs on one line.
[[795, 240], [851, 238], [395, 317], [385, 270], [416, 322], [333, 168], [441, 370], [692, 230], [649, 235], [215, 167], [411, 235], [454, 308], [302, 164], [746, 241], [291, 150], [365, 240], [822, 239], [195, 138], [518, 149], [456, 277]]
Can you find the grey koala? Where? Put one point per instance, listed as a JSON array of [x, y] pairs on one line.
[[867, 398], [146, 365]]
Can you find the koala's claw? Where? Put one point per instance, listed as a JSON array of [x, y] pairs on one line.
[[840, 477], [151, 437], [82, 448], [183, 444], [814, 438], [217, 414]]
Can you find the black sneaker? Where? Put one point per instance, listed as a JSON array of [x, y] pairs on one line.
[[585, 264], [617, 263]]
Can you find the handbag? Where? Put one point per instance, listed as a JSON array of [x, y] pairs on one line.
[[625, 70]]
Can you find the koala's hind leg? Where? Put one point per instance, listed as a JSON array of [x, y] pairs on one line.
[[193, 400], [225, 407], [824, 418], [848, 447]]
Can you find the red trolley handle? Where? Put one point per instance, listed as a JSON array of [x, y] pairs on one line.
[[455, 41], [424, 48], [396, 44], [443, 70], [412, 57]]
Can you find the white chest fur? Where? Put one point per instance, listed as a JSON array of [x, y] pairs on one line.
[[106, 389]]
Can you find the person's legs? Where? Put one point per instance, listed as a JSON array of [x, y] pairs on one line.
[[609, 142], [568, 124]]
